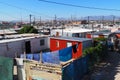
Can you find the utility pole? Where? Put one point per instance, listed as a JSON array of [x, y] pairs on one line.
[[30, 19], [21, 20], [88, 20], [55, 21], [40, 21], [62, 27], [34, 20], [103, 20], [113, 20], [72, 21]]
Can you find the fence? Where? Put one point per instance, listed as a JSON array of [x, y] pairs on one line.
[[6, 68], [76, 70]]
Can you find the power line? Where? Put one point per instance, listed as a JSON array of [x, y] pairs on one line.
[[24, 9], [8, 15], [72, 5]]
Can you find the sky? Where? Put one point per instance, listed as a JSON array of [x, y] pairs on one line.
[[21, 9]]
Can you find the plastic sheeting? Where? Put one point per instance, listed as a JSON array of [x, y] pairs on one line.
[[65, 54], [36, 56], [29, 56], [51, 57], [68, 72], [76, 70], [22, 56], [6, 68]]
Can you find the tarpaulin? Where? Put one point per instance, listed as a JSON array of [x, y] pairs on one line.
[[29, 56], [36, 56], [78, 69], [68, 72], [65, 54], [51, 57], [6, 68], [75, 70], [22, 56], [84, 64]]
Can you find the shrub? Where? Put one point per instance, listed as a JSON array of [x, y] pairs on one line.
[[28, 29]]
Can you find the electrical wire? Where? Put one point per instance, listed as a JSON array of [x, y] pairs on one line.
[[79, 6], [28, 10]]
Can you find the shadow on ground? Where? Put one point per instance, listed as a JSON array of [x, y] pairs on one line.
[[107, 70]]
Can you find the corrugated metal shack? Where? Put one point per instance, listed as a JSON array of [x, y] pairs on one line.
[[16, 46]]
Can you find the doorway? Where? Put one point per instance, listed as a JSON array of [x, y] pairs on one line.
[[27, 47]]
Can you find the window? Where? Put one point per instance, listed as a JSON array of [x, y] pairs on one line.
[[42, 42], [57, 43], [69, 44]]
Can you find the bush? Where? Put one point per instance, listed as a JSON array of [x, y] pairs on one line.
[[96, 53], [28, 29]]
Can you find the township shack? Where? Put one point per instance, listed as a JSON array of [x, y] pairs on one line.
[[100, 34], [79, 44], [71, 32], [16, 46]]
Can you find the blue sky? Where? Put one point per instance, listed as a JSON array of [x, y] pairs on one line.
[[48, 10]]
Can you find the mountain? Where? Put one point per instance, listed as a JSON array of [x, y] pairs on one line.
[[110, 17]]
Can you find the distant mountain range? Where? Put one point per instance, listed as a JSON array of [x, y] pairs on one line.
[[111, 17]]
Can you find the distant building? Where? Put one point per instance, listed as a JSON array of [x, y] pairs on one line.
[[71, 32]]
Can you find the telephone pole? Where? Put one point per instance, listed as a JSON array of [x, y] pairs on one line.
[[113, 20], [88, 20], [34, 20], [40, 21], [55, 21], [103, 20], [30, 18]]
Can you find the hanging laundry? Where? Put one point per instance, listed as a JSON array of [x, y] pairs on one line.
[[74, 47], [51, 57], [65, 54], [29, 56], [36, 56]]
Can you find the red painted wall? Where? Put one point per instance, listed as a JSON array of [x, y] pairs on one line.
[[88, 36], [63, 44], [53, 46]]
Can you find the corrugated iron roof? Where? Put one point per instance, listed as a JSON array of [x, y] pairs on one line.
[[72, 39]]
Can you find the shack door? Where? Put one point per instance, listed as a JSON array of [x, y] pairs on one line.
[[27, 47]]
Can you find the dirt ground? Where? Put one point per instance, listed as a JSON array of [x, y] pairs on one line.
[[107, 70]]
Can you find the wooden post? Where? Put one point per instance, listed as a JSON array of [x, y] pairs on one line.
[[16, 55], [24, 55], [40, 56]]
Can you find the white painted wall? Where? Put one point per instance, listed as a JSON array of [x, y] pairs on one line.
[[8, 49], [35, 44]]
